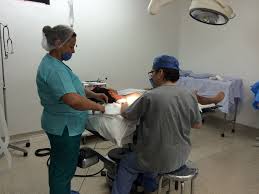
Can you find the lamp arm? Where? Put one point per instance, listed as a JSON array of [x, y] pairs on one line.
[[226, 7], [154, 5]]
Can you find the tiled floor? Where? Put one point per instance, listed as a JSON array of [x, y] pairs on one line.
[[227, 165]]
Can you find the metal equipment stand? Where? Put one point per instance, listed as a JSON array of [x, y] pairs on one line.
[[257, 142], [6, 42], [233, 121]]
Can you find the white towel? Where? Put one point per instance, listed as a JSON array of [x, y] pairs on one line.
[[112, 109]]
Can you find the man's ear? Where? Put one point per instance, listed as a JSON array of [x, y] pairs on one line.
[[161, 73]]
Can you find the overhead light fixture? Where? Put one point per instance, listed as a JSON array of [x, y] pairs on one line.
[[213, 12]]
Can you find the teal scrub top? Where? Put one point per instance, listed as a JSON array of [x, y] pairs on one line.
[[54, 80]]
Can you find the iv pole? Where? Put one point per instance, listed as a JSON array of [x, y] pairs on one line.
[[6, 46], [3, 75]]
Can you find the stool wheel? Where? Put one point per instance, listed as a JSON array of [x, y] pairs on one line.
[[28, 144]]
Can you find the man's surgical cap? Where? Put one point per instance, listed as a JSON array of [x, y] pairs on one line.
[[165, 61]]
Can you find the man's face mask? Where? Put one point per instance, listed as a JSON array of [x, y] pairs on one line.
[[66, 56], [152, 82], [150, 74]]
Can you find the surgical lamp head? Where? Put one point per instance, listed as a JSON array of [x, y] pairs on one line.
[[213, 12]]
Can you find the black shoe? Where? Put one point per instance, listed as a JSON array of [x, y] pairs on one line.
[[74, 192]]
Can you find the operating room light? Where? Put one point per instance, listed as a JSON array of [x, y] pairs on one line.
[[213, 12], [208, 17]]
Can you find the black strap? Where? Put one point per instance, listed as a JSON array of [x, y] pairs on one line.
[[42, 152]]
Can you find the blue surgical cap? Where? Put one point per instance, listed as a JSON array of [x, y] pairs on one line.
[[165, 61], [255, 90], [255, 87]]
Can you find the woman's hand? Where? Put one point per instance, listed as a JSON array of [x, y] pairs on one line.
[[101, 108], [99, 96], [102, 97]]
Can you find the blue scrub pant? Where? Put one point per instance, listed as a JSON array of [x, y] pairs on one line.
[[128, 172], [63, 161]]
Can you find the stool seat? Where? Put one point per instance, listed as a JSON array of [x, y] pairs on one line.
[[183, 174]]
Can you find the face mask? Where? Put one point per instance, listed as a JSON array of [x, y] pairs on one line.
[[66, 56], [152, 82]]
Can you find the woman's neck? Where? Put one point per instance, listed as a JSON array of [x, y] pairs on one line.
[[55, 54]]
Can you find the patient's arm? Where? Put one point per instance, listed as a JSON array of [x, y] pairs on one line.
[[210, 100]]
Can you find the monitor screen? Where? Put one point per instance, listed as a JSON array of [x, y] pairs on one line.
[[40, 1]]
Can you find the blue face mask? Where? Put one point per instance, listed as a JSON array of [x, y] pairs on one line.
[[66, 56], [152, 82]]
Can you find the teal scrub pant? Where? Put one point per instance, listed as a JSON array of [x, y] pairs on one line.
[[63, 161]]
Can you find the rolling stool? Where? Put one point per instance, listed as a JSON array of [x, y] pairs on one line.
[[185, 173]]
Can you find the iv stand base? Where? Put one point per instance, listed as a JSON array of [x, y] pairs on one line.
[[25, 152]]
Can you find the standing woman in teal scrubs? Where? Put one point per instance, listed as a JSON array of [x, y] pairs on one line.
[[65, 106]]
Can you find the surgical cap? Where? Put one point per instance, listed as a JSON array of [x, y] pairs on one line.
[[255, 90], [165, 61], [50, 35]]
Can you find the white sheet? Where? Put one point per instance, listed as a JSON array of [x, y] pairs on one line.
[[130, 91], [232, 87], [206, 106], [114, 127]]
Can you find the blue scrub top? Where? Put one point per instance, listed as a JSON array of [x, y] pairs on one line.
[[54, 80]]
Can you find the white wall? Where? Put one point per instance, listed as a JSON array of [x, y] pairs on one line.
[[227, 50], [116, 39]]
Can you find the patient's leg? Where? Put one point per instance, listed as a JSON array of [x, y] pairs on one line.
[[210, 100]]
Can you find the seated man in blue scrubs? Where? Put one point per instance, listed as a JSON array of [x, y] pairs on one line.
[[165, 116]]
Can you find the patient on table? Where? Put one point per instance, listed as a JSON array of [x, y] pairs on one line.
[[112, 126], [130, 98]]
